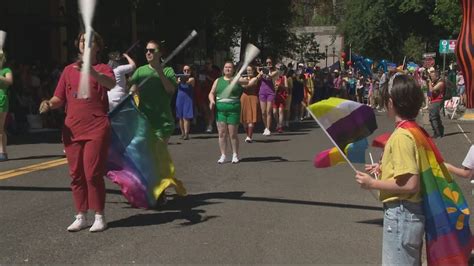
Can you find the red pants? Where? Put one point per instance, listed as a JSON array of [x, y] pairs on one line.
[[87, 167]]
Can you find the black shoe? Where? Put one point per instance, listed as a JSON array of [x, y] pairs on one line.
[[3, 157]]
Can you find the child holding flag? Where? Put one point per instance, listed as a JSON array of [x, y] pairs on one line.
[[417, 190], [399, 184]]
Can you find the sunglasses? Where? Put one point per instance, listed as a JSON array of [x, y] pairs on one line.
[[151, 50]]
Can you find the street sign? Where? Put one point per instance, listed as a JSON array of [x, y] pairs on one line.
[[447, 46], [428, 55]]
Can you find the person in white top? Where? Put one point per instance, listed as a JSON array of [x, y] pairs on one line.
[[120, 90], [468, 166]]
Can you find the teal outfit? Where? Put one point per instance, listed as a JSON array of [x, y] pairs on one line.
[[155, 101], [4, 91], [228, 107]]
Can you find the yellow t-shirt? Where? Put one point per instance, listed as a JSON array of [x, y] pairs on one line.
[[400, 157]]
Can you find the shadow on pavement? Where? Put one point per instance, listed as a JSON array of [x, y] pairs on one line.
[[205, 137], [270, 140], [37, 157], [456, 133], [264, 159], [54, 189]]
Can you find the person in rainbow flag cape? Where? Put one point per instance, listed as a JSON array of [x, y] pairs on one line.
[[139, 160], [420, 197]]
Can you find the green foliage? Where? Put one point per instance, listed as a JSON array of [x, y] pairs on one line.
[[391, 29], [413, 48], [306, 49]]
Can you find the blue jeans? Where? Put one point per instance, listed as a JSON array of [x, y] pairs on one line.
[[403, 231]]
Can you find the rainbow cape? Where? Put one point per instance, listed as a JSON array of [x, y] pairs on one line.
[[345, 121], [448, 236], [355, 152], [138, 161]]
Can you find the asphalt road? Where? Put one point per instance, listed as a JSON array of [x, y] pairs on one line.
[[274, 207]]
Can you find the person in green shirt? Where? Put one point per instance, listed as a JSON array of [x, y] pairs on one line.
[[6, 80], [156, 92], [228, 110], [155, 87]]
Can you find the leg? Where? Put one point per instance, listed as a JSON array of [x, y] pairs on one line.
[[187, 127], [74, 153], [281, 115], [263, 107], [222, 130], [269, 117], [234, 140], [95, 158], [250, 130], [181, 127], [3, 134], [435, 119]]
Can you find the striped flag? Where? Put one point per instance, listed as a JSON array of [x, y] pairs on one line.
[[138, 161], [355, 152]]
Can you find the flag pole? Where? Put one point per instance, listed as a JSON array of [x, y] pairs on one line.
[[337, 146]]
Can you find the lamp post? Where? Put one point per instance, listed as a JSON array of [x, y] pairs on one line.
[[326, 48], [333, 54]]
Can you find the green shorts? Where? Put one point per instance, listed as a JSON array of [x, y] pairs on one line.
[[3, 101], [228, 113]]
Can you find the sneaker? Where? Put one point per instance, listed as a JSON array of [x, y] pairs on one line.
[[235, 158], [248, 140], [3, 157], [266, 132], [99, 224], [221, 159], [78, 224], [280, 129], [209, 129]]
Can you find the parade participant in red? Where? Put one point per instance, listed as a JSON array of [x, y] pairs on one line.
[[281, 87], [86, 133]]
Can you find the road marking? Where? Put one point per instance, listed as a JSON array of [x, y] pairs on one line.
[[462, 130], [32, 168]]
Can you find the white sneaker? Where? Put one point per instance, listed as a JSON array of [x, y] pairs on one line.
[[209, 129], [99, 224], [221, 159], [266, 132], [248, 140], [235, 158], [78, 224]]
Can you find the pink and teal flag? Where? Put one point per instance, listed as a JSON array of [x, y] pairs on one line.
[[355, 152], [138, 161], [448, 235], [345, 121]]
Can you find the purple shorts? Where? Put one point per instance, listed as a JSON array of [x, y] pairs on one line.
[[266, 97]]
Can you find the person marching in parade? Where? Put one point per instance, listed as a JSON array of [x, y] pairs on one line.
[[228, 111], [119, 91], [86, 132], [6, 80], [155, 87]]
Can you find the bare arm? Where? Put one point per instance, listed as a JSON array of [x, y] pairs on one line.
[[461, 172], [191, 81], [438, 87], [243, 81], [102, 79], [407, 183], [170, 88], [53, 103], [130, 61], [7, 80], [212, 95]]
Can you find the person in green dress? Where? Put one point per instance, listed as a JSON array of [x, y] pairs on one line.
[[6, 80], [228, 110], [155, 87]]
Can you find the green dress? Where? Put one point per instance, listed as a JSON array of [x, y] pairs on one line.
[[4, 91], [155, 102], [228, 107]]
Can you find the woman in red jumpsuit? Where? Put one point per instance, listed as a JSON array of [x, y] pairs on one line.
[[85, 134]]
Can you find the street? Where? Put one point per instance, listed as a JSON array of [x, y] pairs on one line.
[[273, 207]]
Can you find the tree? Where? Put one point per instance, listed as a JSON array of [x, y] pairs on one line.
[[306, 49], [413, 48]]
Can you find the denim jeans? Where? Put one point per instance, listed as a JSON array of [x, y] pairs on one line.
[[403, 231]]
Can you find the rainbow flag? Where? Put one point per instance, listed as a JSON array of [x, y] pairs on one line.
[[345, 121], [448, 236], [355, 152], [138, 161]]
